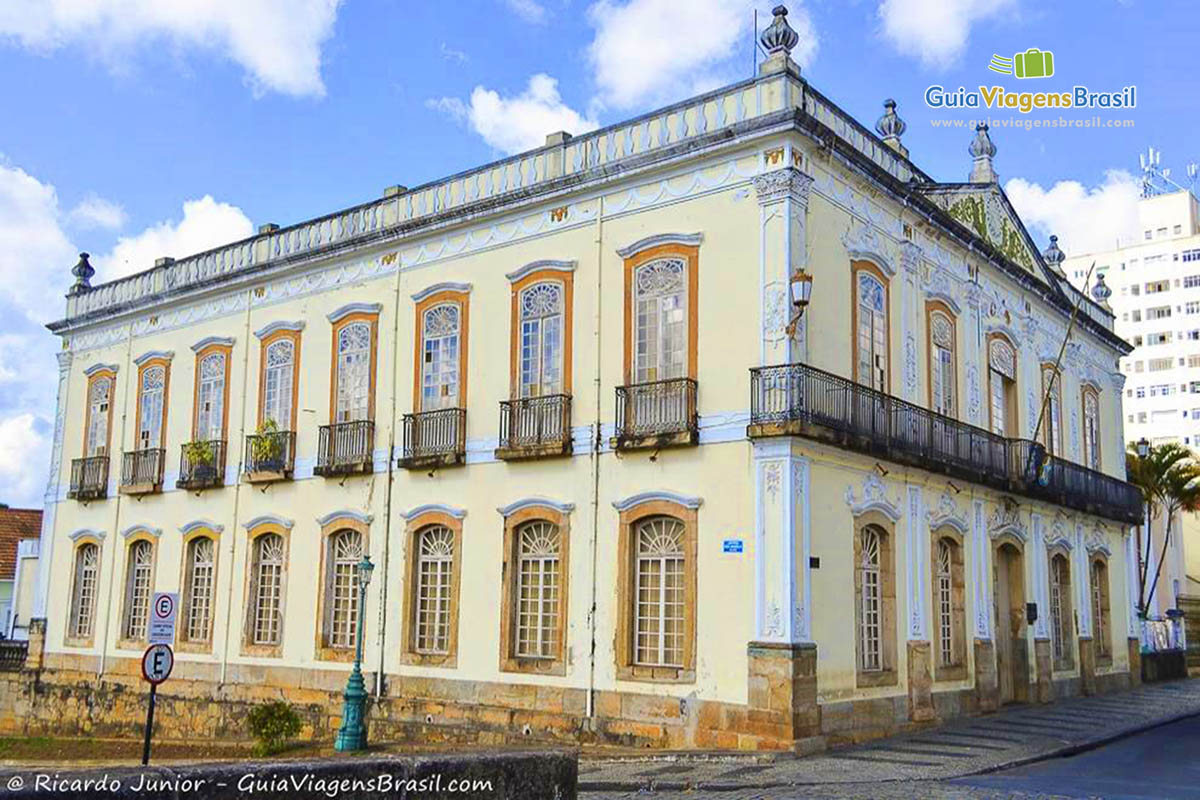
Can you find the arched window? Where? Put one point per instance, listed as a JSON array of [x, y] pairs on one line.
[[440, 366], [660, 325], [1101, 626], [870, 623], [433, 590], [541, 367], [198, 579], [138, 578], [150, 407], [344, 549], [1051, 433], [1002, 381], [99, 403], [1091, 428], [1061, 620], [210, 398], [278, 376], [659, 612], [266, 590], [871, 329], [83, 592], [943, 387], [538, 545], [945, 602], [353, 373]]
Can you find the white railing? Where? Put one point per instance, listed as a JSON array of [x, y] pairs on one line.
[[654, 131]]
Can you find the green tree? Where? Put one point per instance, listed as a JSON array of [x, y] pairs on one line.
[[1169, 479]]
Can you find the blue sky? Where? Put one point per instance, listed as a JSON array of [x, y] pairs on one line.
[[138, 128]]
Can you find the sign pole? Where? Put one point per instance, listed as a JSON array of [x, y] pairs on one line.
[[149, 725]]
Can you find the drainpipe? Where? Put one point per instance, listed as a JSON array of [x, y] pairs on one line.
[[387, 505], [117, 554], [596, 444], [237, 486]]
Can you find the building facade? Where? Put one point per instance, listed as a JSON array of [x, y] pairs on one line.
[[615, 489]]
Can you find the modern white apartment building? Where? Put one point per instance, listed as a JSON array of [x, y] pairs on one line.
[[1155, 285]]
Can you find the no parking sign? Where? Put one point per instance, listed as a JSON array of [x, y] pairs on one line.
[[163, 611]]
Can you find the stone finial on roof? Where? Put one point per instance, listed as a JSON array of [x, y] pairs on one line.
[[83, 272], [1101, 292], [891, 127], [1054, 257], [779, 38], [983, 151]]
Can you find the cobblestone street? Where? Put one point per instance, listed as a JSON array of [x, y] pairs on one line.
[[996, 756]]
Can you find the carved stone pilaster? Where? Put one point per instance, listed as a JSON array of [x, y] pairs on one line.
[[783, 200], [787, 183], [46, 544], [782, 544]]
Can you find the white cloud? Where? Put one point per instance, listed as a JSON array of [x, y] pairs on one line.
[[205, 224], [96, 212], [652, 51], [36, 256], [528, 10], [277, 42], [22, 484], [936, 31], [1086, 220], [517, 123], [450, 54]]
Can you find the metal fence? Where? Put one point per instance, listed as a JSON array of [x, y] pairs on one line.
[[435, 433], [270, 452], [345, 446], [143, 467], [657, 408], [89, 478], [535, 421], [201, 464]]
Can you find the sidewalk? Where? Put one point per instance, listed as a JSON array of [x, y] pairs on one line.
[[969, 746]]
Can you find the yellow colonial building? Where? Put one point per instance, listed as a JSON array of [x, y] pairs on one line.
[[616, 487]]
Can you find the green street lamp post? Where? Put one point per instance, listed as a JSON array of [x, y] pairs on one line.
[[353, 733]]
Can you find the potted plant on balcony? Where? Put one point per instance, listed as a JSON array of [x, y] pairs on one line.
[[200, 456], [266, 447]]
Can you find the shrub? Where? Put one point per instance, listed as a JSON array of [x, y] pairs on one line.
[[272, 724]]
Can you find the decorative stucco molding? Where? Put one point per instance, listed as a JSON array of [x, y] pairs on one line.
[[268, 519], [146, 529], [873, 497], [86, 533], [165, 355], [451, 511], [788, 182], [275, 327], [354, 308], [1007, 519], [333, 516], [444, 286], [535, 502], [686, 239], [684, 500], [538, 266], [947, 513], [862, 243], [201, 524], [94, 368], [208, 341]]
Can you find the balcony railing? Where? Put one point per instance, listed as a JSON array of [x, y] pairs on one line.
[[435, 438], [535, 426], [657, 414], [12, 655], [270, 456], [803, 400], [346, 448], [202, 465], [89, 478], [142, 471]]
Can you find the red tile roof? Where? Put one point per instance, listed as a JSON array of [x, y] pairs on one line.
[[16, 524]]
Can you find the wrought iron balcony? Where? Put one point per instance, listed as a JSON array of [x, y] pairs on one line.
[[202, 465], [142, 471], [796, 399], [346, 448], [89, 478], [535, 427], [435, 439], [12, 655], [269, 456], [657, 414]]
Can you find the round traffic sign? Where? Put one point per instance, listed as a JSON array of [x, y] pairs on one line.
[[157, 663], [164, 606]]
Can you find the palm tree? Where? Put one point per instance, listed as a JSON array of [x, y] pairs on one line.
[[1169, 479]]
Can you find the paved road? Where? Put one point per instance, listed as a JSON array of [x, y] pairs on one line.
[[1160, 764]]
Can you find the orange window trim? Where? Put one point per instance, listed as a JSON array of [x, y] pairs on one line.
[[371, 319], [462, 300], [294, 337], [1012, 424], [566, 280], [932, 307], [200, 356], [112, 397], [691, 256], [867, 266], [162, 432]]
